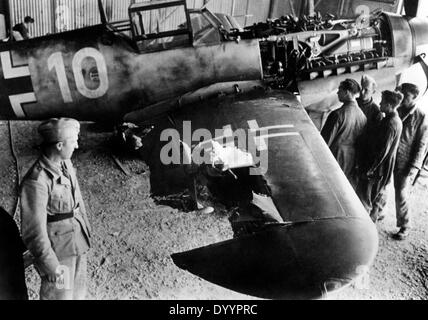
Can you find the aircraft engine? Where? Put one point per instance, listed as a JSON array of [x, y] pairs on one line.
[[296, 50]]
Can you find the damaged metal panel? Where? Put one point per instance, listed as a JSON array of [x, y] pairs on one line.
[[326, 234]]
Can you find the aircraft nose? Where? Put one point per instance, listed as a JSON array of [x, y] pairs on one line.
[[419, 26], [304, 260]]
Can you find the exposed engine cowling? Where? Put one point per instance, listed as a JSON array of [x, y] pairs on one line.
[[312, 55], [316, 47], [309, 48]]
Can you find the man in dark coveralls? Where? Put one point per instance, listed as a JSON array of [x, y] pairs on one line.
[[344, 127], [410, 154], [380, 154], [365, 101], [12, 274], [55, 227], [373, 114]]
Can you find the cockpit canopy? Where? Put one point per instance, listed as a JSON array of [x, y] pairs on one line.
[[160, 25]]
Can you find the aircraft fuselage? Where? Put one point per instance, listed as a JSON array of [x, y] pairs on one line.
[[93, 74]]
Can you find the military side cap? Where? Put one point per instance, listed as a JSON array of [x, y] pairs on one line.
[[58, 129]]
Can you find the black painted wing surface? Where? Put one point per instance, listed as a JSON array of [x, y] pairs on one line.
[[327, 238]]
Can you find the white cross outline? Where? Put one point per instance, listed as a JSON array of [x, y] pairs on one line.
[[227, 133], [261, 141], [11, 72], [17, 100]]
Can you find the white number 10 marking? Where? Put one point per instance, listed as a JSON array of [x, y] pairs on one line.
[[56, 61]]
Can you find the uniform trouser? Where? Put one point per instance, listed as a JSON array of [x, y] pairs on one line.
[[75, 288], [402, 193], [373, 195]]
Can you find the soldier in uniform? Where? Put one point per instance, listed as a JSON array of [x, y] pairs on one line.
[[54, 224]]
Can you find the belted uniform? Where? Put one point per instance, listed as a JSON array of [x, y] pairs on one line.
[[55, 227]]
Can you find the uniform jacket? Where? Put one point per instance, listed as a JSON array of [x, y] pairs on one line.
[[45, 190], [383, 147], [342, 130], [414, 139]]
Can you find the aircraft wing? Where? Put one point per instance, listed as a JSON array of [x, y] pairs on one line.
[[326, 239]]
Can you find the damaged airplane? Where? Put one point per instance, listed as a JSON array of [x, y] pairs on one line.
[[169, 65]]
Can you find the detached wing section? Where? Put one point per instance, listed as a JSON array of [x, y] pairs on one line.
[[327, 238]]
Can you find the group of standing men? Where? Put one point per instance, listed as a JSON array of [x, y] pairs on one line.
[[374, 144]]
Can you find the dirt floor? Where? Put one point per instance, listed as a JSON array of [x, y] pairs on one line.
[[134, 236]]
